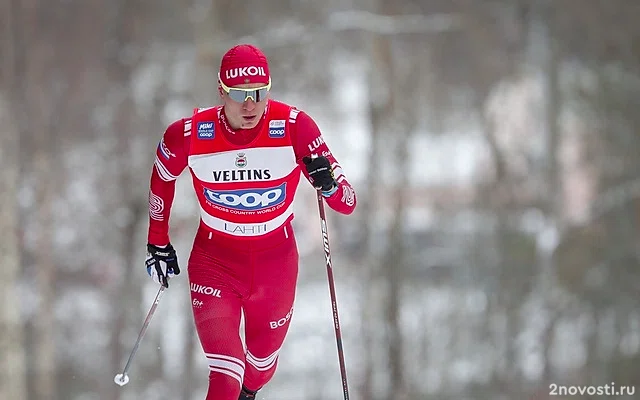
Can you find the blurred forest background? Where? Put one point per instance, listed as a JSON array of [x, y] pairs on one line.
[[493, 145]]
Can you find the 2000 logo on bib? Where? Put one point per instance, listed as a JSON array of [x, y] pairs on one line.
[[248, 199]]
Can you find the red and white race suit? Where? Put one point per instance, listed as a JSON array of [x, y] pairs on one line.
[[244, 256]]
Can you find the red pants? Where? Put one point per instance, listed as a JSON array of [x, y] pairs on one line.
[[230, 276]]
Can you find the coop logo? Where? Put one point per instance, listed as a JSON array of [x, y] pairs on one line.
[[247, 199], [276, 128], [206, 130], [244, 71]]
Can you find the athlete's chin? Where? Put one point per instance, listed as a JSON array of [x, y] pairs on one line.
[[249, 123]]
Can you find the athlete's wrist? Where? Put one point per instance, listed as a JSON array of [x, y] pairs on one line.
[[330, 192]]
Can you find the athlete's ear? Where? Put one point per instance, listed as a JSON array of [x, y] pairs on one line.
[[221, 92]]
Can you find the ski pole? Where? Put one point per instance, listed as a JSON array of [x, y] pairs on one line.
[[332, 290], [122, 379]]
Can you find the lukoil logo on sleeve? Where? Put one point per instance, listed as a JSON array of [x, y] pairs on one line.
[[206, 130], [276, 128]]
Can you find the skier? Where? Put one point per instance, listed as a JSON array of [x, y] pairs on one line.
[[245, 158]]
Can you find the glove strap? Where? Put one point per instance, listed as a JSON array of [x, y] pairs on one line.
[[328, 193]]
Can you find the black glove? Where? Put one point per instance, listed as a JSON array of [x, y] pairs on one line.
[[321, 174], [162, 263]]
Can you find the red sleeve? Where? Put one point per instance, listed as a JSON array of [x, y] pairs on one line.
[[308, 140], [171, 160]]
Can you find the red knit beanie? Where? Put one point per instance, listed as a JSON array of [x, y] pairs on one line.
[[244, 63]]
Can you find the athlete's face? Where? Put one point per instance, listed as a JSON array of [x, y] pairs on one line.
[[245, 114]]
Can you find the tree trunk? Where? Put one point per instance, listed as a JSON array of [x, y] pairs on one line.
[[379, 112], [543, 56], [211, 41], [394, 272], [121, 25], [12, 364], [45, 387]]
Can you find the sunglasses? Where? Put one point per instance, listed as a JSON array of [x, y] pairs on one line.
[[241, 95]]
